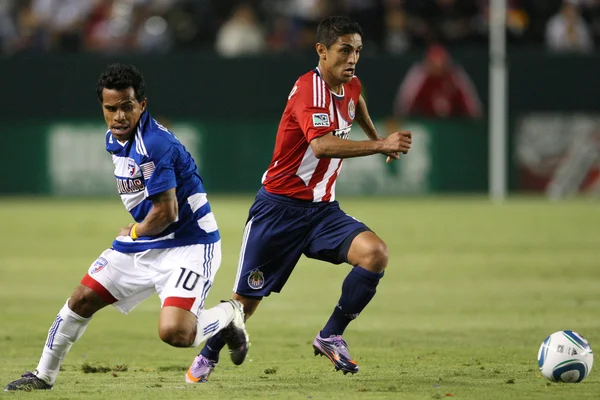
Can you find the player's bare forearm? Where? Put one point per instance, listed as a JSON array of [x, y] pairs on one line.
[[163, 213], [330, 146], [364, 120]]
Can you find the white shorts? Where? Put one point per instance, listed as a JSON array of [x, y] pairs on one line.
[[182, 276]]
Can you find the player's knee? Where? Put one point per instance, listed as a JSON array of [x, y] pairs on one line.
[[376, 257], [85, 302], [175, 335]]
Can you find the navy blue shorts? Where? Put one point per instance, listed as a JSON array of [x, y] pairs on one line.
[[279, 230]]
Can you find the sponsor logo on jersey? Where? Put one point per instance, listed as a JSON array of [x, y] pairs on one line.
[[320, 120], [128, 185], [256, 279], [351, 109], [98, 265]]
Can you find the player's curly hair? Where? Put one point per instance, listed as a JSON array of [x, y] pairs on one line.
[[331, 28], [120, 77]]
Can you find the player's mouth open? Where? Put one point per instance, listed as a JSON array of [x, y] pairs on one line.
[[349, 71], [119, 129]]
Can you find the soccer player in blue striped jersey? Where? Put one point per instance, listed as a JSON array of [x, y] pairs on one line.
[[173, 248]]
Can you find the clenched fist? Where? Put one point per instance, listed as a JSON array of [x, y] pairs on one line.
[[396, 143]]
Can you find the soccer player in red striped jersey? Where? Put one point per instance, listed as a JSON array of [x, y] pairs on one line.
[[295, 211]]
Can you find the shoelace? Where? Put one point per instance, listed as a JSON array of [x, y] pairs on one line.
[[339, 342], [203, 362]]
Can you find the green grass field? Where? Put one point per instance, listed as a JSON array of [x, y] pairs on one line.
[[471, 291]]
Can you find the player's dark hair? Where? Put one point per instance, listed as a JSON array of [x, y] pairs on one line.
[[120, 77], [331, 28]]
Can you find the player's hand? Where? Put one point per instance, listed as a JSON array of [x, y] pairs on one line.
[[391, 157], [125, 231], [398, 142]]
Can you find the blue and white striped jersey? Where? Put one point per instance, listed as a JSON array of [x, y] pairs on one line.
[[151, 162]]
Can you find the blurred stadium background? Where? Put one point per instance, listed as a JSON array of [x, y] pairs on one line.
[[221, 70], [473, 287]]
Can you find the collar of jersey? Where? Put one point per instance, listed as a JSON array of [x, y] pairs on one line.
[[338, 96]]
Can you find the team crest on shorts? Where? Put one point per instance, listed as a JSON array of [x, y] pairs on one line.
[[98, 265], [256, 279], [351, 109]]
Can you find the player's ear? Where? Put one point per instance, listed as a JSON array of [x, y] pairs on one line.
[[321, 51], [143, 104]]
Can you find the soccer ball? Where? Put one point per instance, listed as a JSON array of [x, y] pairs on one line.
[[565, 356]]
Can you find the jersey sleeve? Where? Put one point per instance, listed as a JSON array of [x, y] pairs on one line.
[[158, 167], [311, 107]]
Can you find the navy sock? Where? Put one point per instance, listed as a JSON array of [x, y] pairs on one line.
[[357, 291], [213, 347]]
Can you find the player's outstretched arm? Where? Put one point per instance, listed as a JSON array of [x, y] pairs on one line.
[[163, 213], [330, 146]]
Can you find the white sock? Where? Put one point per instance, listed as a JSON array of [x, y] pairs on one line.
[[66, 330], [211, 321]]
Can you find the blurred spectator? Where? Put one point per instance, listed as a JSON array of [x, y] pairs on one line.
[[63, 21], [437, 88], [241, 34], [370, 15], [8, 29], [104, 30], [255, 26], [396, 39], [152, 33], [303, 16], [445, 21], [517, 20], [21, 28], [281, 35], [567, 31]]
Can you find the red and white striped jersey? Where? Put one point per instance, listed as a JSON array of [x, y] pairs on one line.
[[312, 111]]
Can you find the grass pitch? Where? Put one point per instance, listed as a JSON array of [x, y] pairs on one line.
[[471, 291]]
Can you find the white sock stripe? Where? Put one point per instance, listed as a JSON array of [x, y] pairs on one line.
[[66, 329], [209, 323], [52, 331], [207, 331], [211, 327]]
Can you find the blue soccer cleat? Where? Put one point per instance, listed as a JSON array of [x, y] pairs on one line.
[[28, 382]]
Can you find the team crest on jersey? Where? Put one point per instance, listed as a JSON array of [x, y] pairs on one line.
[[131, 167], [351, 109], [98, 265], [256, 279], [320, 120]]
